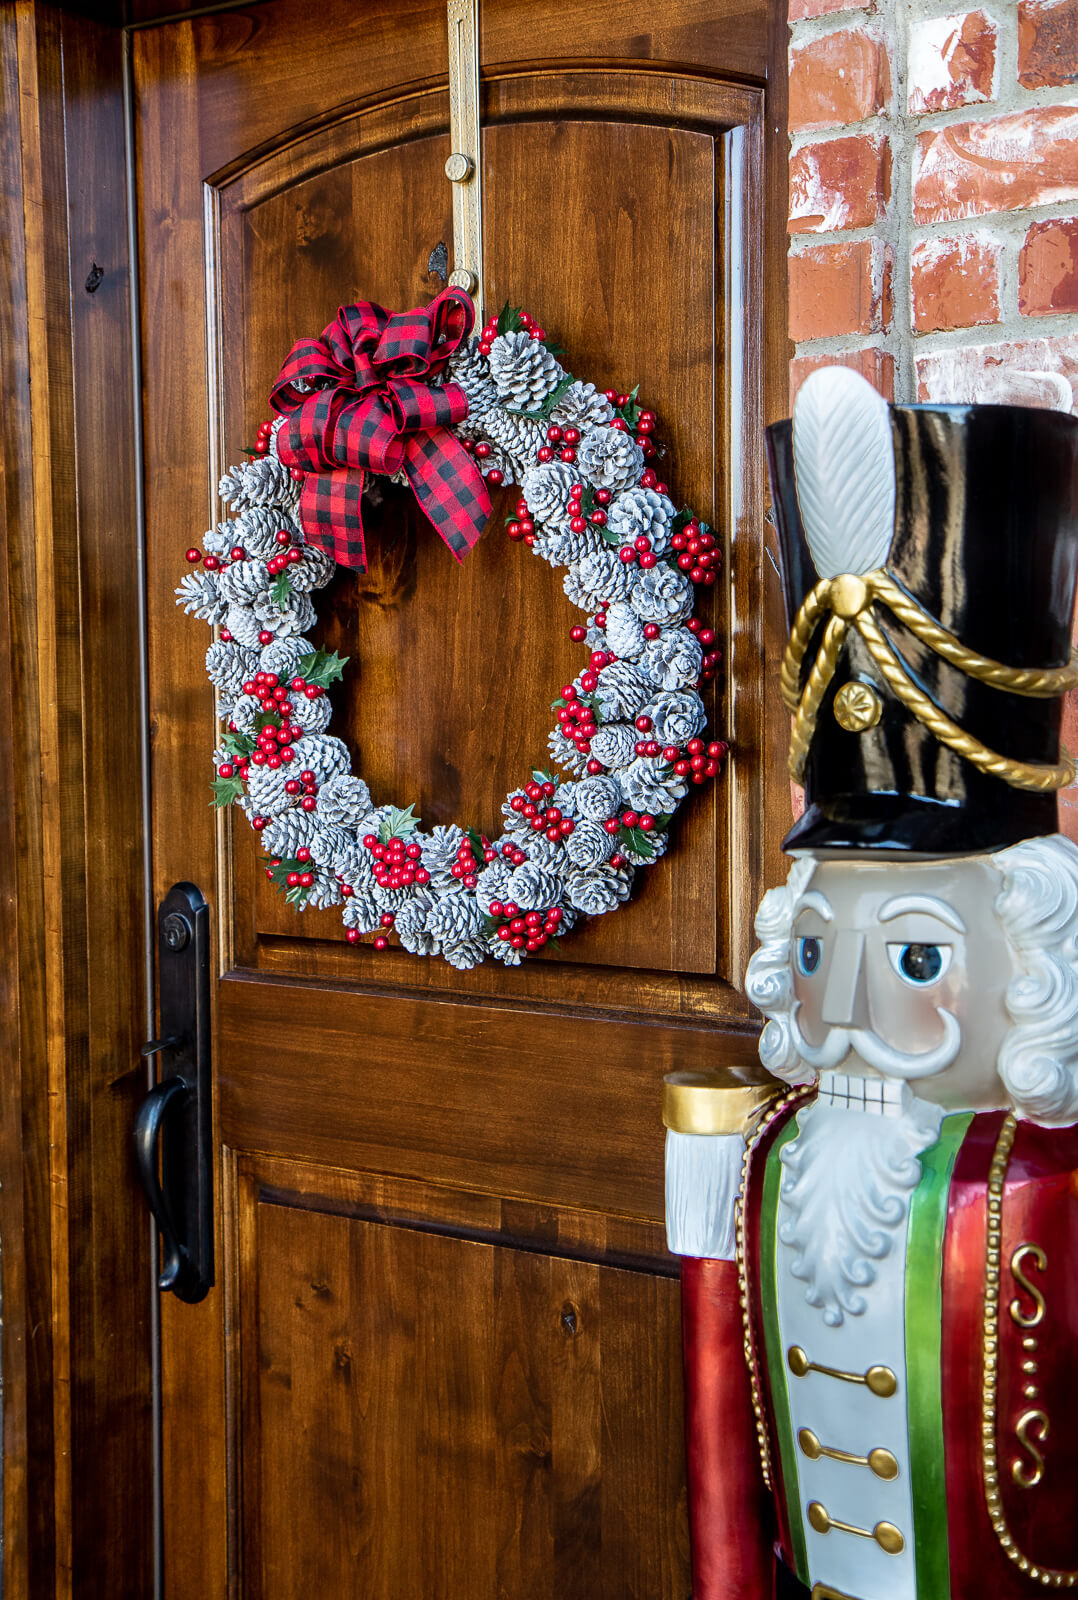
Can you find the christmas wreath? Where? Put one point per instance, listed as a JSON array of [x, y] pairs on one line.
[[412, 397]]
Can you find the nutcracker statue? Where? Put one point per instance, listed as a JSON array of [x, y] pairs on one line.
[[880, 1242]]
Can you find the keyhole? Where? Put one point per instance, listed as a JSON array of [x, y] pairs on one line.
[[569, 1319]]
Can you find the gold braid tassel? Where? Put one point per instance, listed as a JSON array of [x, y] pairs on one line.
[[1019, 774], [849, 597]]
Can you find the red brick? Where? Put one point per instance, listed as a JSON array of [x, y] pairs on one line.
[[1048, 268], [877, 365], [844, 183], [952, 61], [1027, 372], [837, 289], [843, 77], [1002, 164], [954, 282], [800, 9], [1047, 43]]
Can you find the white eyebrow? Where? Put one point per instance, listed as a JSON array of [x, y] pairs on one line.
[[902, 904], [813, 900]]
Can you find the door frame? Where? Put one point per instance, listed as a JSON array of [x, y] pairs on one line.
[[78, 1349]]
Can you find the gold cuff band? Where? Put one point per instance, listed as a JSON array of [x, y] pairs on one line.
[[715, 1102]]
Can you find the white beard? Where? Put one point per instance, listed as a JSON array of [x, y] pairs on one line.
[[844, 1195]]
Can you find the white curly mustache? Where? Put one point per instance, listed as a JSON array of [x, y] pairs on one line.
[[884, 1058]]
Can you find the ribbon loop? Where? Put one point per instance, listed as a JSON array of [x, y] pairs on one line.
[[365, 397]]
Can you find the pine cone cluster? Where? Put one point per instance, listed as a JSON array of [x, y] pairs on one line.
[[610, 459], [523, 371]]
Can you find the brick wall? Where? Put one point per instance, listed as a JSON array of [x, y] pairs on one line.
[[934, 203]]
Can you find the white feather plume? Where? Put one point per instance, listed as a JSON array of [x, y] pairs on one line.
[[845, 468]]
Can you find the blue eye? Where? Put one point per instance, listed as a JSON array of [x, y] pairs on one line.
[[920, 964], [809, 953]]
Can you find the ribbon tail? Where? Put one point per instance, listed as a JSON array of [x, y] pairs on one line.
[[449, 487], [331, 515]]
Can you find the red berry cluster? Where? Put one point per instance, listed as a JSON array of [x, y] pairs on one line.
[[482, 452], [490, 332], [525, 930], [262, 444], [396, 863], [465, 867], [576, 716], [540, 816], [699, 556], [706, 636], [522, 526], [561, 442]]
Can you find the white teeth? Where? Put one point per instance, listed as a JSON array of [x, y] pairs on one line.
[[853, 1092]]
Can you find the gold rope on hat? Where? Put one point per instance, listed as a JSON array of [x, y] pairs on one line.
[[849, 600]]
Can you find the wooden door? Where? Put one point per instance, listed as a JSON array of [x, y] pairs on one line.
[[442, 1356]]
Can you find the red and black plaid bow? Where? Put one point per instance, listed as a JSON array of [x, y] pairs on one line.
[[374, 409]]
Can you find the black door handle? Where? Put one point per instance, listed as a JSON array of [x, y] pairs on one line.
[[173, 1128], [151, 1114]]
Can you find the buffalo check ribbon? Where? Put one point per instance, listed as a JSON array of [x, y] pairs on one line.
[[368, 404]]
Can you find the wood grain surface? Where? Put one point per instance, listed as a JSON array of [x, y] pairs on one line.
[[438, 1430], [73, 1234]]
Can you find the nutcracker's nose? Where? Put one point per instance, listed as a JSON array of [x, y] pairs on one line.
[[845, 1001]]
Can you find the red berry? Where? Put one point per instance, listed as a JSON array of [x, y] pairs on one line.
[[544, 453], [578, 633], [568, 454], [612, 825], [617, 860], [483, 450], [682, 768], [381, 942], [225, 770], [643, 724], [553, 433], [422, 876], [282, 536], [594, 766], [647, 822], [308, 802], [194, 556], [495, 476], [670, 752], [647, 479], [293, 880], [265, 637], [347, 891], [598, 517]]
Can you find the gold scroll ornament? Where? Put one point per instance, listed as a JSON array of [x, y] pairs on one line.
[[847, 601], [464, 166]]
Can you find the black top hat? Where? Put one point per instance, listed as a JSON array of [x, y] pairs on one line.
[[985, 543]]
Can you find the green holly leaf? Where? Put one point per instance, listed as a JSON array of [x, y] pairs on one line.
[[545, 777], [490, 925], [509, 319], [322, 667], [630, 410], [476, 841], [640, 841], [282, 590], [682, 520], [237, 744], [225, 790], [610, 537], [280, 871], [398, 824], [266, 719]]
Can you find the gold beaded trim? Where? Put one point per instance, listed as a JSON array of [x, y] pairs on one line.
[[849, 598], [997, 1173], [774, 1110]]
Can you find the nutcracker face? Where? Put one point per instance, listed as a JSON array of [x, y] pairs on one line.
[[900, 971]]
